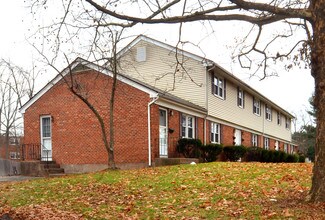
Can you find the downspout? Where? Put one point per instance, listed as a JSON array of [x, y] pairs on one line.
[[149, 129]]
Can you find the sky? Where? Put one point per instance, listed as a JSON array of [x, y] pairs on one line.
[[290, 89]]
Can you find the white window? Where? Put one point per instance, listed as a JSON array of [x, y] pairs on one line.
[[268, 113], [14, 155], [254, 140], [240, 98], [256, 106], [266, 143], [279, 118], [188, 126], [288, 123], [285, 148], [218, 87], [215, 132], [141, 54]]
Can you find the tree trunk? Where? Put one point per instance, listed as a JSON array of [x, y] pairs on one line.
[[317, 192]]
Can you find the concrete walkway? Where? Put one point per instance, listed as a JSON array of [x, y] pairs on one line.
[[16, 178]]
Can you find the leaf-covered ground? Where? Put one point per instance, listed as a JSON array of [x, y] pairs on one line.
[[203, 191]]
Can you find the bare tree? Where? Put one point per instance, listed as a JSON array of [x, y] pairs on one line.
[[16, 84], [297, 16]]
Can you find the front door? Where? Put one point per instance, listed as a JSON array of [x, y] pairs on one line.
[[46, 138], [163, 146]]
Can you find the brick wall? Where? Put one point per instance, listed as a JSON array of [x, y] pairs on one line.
[[76, 134]]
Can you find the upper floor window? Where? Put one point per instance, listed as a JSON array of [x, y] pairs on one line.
[[288, 121], [218, 87], [215, 132], [254, 140], [256, 106], [268, 113], [266, 143], [188, 126], [240, 98], [279, 118]]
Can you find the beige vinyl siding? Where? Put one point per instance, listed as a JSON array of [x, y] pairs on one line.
[[159, 70], [228, 110]]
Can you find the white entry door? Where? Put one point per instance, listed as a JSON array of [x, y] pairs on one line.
[[163, 146], [237, 137], [46, 138]]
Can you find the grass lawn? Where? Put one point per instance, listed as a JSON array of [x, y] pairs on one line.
[[218, 190]]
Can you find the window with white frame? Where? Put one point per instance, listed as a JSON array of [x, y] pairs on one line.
[[266, 143], [288, 123], [279, 118], [285, 148], [254, 140], [14, 155], [188, 126], [240, 98], [215, 132], [268, 113], [218, 87], [256, 106]]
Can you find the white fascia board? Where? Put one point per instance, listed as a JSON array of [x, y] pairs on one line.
[[180, 107], [78, 61], [47, 87], [123, 79], [204, 61]]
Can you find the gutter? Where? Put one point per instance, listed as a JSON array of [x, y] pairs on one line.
[[149, 128]]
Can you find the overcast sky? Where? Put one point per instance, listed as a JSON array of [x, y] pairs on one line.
[[290, 90]]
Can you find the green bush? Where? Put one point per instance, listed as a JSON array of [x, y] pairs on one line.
[[276, 157], [210, 152], [190, 148], [292, 158], [283, 156], [301, 159], [234, 153], [253, 154], [266, 156]]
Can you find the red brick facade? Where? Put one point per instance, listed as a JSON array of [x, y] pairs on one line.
[[76, 133]]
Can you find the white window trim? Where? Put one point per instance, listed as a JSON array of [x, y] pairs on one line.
[[254, 140], [266, 143], [257, 108], [287, 123], [240, 91], [216, 88], [285, 147], [186, 125], [268, 113], [213, 126], [279, 118]]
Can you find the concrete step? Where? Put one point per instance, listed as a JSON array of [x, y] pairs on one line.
[[55, 170]]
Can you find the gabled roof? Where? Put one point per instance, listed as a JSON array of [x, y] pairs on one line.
[[210, 64], [76, 64], [144, 38]]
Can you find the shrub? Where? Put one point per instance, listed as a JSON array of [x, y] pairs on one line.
[[283, 156], [234, 153], [210, 152], [292, 158], [253, 154], [266, 156], [190, 148], [301, 159], [276, 156]]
